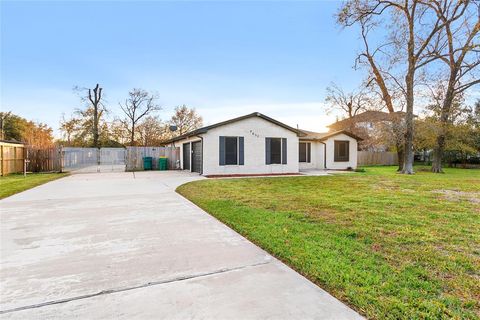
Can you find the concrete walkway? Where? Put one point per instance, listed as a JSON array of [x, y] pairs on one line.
[[125, 246]]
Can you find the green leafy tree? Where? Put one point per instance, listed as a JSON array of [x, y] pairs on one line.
[[20, 129]]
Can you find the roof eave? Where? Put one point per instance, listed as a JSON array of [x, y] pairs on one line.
[[254, 114], [351, 135]]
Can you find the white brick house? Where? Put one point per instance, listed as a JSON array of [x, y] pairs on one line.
[[255, 144]]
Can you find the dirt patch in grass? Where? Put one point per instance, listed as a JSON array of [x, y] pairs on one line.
[[456, 195]]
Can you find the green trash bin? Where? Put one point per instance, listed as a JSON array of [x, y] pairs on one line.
[[163, 163], [147, 163]]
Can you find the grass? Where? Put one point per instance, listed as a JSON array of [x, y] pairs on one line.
[[15, 183], [391, 246]]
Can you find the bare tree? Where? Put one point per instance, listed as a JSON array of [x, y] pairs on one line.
[[95, 100], [349, 103], [69, 127], [139, 104], [185, 119], [413, 28], [384, 84], [458, 48], [152, 131]]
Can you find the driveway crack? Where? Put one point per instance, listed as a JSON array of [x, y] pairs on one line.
[[145, 285]]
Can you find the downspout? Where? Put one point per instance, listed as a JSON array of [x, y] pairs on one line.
[[324, 154], [201, 139]]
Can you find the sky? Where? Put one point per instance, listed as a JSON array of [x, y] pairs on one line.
[[224, 58]]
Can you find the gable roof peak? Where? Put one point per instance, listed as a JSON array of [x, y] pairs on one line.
[[219, 124]]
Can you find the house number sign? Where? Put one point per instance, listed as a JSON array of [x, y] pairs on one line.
[[254, 134]]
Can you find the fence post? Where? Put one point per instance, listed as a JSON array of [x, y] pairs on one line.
[[98, 159], [15, 159], [61, 158], [25, 162], [1, 150]]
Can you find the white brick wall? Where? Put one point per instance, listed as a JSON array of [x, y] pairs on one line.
[[254, 130], [316, 157], [352, 163]]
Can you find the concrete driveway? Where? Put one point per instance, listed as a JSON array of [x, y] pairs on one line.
[[125, 246]]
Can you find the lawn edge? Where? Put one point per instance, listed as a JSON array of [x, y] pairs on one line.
[[60, 176], [320, 285]]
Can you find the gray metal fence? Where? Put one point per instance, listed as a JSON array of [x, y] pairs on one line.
[[87, 160], [80, 159], [112, 159], [93, 159]]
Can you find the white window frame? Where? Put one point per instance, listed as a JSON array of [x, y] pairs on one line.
[[281, 152], [308, 155]]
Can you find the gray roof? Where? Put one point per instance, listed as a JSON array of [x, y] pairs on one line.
[[321, 136], [202, 130], [367, 116]]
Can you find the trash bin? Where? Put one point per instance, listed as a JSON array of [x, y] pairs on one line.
[[163, 163], [147, 163]]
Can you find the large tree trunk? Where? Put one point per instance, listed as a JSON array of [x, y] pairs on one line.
[[408, 151], [132, 135], [438, 154], [444, 116], [95, 125], [400, 156], [95, 101]]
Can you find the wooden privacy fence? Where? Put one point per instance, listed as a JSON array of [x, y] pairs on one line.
[[377, 158], [16, 157], [12, 157], [134, 157], [44, 159]]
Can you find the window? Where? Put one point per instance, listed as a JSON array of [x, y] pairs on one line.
[[231, 151], [275, 151], [341, 152], [304, 150]]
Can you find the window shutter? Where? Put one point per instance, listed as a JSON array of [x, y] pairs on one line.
[[267, 151], [241, 152], [309, 152], [335, 150], [284, 150], [222, 151]]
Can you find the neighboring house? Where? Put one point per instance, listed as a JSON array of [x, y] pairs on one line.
[[255, 144], [370, 126]]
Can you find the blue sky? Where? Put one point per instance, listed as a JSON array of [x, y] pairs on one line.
[[224, 58]]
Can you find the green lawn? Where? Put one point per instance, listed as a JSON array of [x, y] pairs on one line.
[[389, 245], [15, 183]]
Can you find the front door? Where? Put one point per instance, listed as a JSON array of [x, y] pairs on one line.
[[197, 156], [186, 156]]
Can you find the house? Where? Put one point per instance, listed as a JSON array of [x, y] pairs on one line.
[[371, 126], [255, 144]]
